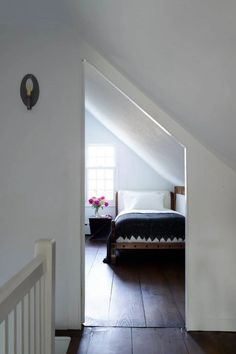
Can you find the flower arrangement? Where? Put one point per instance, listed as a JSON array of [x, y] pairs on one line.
[[97, 203]]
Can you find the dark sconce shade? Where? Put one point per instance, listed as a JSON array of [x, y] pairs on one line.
[[29, 90]]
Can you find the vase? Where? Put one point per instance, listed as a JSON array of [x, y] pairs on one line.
[[96, 213]]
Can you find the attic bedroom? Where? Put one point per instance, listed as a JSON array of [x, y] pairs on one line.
[[175, 60], [133, 169]]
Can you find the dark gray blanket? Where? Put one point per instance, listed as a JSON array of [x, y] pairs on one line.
[[150, 225]]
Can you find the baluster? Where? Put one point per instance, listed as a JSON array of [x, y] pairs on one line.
[[38, 318], [22, 326], [39, 321], [35, 320], [6, 335], [29, 324], [15, 331], [47, 249], [42, 318], [2, 337]]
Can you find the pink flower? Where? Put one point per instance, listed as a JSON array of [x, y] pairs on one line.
[[98, 202]]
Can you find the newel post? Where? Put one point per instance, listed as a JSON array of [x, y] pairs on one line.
[[47, 249]]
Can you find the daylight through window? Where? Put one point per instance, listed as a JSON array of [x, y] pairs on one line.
[[100, 171]]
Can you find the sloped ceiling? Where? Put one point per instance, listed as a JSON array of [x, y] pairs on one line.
[[133, 127], [182, 54]]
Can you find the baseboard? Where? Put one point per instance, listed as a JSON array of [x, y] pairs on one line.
[[212, 324]]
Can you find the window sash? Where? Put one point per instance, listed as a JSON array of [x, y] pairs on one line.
[[100, 171], [99, 182], [100, 156]]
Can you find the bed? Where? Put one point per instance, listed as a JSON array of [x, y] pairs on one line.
[[146, 220]]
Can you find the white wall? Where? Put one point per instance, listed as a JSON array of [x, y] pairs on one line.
[[41, 179], [211, 222], [40, 158], [180, 204], [141, 176]]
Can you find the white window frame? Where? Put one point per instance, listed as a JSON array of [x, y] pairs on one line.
[[97, 167]]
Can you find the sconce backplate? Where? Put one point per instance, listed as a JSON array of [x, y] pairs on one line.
[[35, 93]]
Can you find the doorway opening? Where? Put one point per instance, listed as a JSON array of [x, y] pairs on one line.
[[127, 152]]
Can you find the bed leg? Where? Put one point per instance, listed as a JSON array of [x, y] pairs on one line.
[[113, 254]]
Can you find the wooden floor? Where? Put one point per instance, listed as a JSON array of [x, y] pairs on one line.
[[104, 340], [144, 289], [125, 302]]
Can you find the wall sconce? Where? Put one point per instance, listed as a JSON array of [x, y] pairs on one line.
[[29, 90]]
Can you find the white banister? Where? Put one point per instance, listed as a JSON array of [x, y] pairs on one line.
[[47, 249], [27, 305], [15, 332]]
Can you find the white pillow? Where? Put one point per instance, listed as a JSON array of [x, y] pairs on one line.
[[144, 200], [121, 195]]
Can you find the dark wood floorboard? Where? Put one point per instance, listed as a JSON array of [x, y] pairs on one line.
[[90, 255], [73, 346], [158, 341], [210, 342], [159, 302], [84, 340], [201, 342], [105, 340], [144, 289], [174, 272], [227, 342], [126, 308], [100, 340], [98, 290]]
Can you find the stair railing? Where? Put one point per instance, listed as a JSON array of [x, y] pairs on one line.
[[27, 305]]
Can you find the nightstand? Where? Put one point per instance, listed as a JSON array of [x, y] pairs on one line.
[[100, 228]]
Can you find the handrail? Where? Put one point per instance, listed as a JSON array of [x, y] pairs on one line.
[[27, 305], [19, 285]]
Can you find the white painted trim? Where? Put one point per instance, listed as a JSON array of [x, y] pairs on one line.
[[47, 249], [82, 236], [211, 324], [37, 274], [150, 109], [77, 298], [208, 177], [186, 243], [19, 285]]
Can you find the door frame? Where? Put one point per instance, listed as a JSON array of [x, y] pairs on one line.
[[151, 110]]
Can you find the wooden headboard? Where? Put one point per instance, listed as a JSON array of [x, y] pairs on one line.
[[172, 200], [116, 203], [178, 190]]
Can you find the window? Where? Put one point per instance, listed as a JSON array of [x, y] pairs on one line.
[[100, 170]]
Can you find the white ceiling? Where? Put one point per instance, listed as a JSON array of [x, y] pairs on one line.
[[33, 12], [133, 127], [181, 53]]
